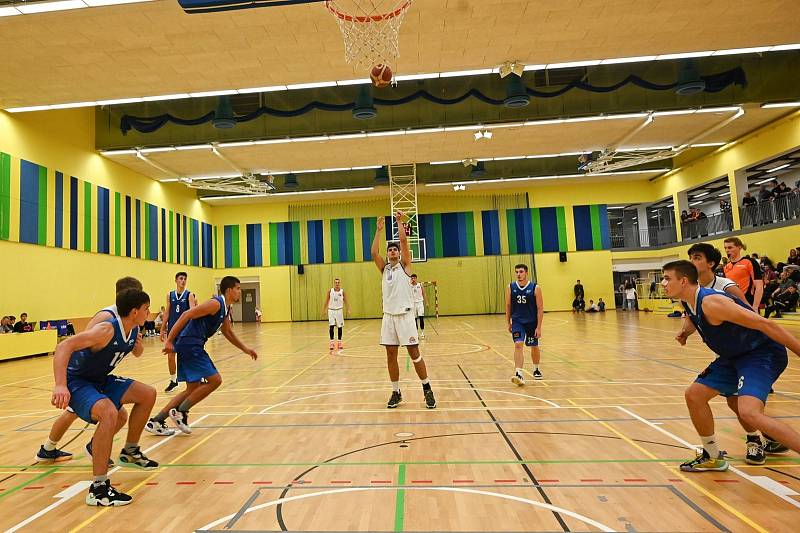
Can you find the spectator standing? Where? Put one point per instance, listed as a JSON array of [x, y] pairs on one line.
[[780, 194], [630, 296], [578, 289], [23, 326]]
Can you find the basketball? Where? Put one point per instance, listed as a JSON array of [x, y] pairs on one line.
[[381, 75]]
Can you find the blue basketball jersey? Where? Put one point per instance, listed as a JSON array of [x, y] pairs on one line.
[[523, 303], [96, 366], [200, 329], [727, 339], [178, 304]]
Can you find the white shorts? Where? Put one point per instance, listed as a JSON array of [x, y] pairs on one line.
[[399, 330], [336, 317], [419, 309]]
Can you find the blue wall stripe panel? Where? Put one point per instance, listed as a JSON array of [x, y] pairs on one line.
[[138, 216], [208, 245], [103, 216], [128, 224], [316, 248], [450, 238], [59, 226], [491, 232], [196, 242], [366, 239], [227, 234], [29, 202], [605, 232], [73, 213], [254, 254], [163, 234], [522, 223], [583, 227], [548, 218]]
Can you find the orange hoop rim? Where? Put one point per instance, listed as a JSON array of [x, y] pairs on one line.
[[372, 18]]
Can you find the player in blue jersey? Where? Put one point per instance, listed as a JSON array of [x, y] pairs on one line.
[[188, 338], [82, 366], [48, 452], [751, 356], [178, 302], [524, 312]]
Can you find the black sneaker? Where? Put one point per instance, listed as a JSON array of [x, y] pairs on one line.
[[172, 386], [52, 456], [394, 400], [430, 401], [104, 495], [773, 446], [181, 419], [537, 374], [158, 427], [755, 451], [136, 458], [89, 453]]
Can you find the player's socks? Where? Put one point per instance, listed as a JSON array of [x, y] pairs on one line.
[[710, 445], [132, 455], [426, 384], [102, 494], [396, 386], [330, 332], [49, 445]]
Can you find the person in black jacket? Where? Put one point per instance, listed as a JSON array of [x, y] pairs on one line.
[[786, 301]]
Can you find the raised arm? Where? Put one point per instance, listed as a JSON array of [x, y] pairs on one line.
[[719, 309], [405, 250], [376, 242], [96, 337]]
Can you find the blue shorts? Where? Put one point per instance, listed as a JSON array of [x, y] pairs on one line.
[[84, 394], [752, 374], [194, 363], [524, 332]]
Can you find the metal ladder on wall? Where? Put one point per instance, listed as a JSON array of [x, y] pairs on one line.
[[403, 197]]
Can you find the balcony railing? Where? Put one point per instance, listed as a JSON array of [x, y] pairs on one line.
[[785, 207], [638, 238], [714, 225]]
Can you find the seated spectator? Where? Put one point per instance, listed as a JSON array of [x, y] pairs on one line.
[[601, 305], [23, 326], [592, 307], [784, 302], [159, 318], [794, 272], [794, 258], [578, 305], [6, 326]]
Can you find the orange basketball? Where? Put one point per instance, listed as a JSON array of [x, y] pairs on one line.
[[381, 75]]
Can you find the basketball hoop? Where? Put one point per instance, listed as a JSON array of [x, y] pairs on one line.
[[370, 29]]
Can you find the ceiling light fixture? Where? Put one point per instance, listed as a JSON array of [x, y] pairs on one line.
[[787, 165], [483, 134], [774, 105]]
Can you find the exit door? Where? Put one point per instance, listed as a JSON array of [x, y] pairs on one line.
[[248, 305]]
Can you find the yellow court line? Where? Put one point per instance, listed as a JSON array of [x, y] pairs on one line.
[[154, 474], [671, 469]]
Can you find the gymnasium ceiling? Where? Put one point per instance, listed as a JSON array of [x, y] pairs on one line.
[[154, 48]]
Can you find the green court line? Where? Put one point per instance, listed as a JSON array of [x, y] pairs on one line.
[[400, 500], [26, 483]]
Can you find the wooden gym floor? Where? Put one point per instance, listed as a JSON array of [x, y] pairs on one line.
[[302, 441]]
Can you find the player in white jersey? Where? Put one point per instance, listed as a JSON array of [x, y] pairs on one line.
[[706, 258], [398, 327], [336, 304], [418, 297]]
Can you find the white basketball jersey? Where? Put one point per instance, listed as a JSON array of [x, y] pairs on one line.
[[416, 293], [336, 300], [720, 283], [396, 289]]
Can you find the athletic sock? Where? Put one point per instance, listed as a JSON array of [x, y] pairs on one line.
[[339, 333], [131, 446], [173, 377], [99, 480], [536, 367], [518, 371], [426, 384], [330, 332], [161, 417], [750, 435], [185, 406], [710, 446], [50, 445], [396, 386]]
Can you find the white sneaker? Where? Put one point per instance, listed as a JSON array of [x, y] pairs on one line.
[[421, 334], [158, 428], [181, 420], [518, 380]]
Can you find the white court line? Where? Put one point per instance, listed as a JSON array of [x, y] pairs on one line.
[[24, 380], [32, 414], [764, 482], [271, 407], [80, 486], [553, 508]]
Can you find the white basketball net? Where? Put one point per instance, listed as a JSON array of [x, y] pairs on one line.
[[370, 29]]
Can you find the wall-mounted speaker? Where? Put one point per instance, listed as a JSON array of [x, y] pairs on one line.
[[301, 270], [562, 256]]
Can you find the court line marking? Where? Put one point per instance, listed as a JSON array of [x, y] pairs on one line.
[[69, 494], [320, 395], [287, 499], [764, 482], [719, 501]]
